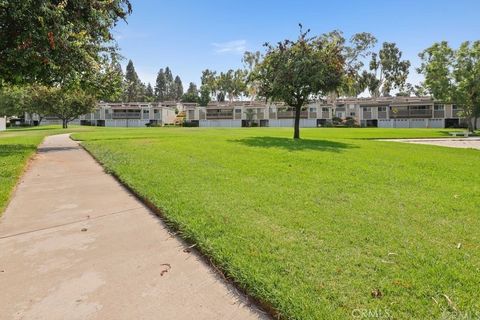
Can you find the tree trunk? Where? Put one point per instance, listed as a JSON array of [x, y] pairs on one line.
[[296, 130], [470, 124], [64, 124], [475, 119]]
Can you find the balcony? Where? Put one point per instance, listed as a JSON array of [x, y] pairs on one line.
[[125, 116], [325, 115], [367, 115], [291, 114], [382, 114], [439, 114], [219, 115], [410, 113], [427, 113]]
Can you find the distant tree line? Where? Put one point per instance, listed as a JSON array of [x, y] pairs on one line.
[[167, 88]]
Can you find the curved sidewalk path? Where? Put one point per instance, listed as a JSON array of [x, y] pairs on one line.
[[465, 143], [74, 244]]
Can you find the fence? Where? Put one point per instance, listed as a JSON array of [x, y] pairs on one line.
[[411, 123]]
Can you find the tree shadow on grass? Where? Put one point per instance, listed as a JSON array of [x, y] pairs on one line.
[[31, 129], [294, 145]]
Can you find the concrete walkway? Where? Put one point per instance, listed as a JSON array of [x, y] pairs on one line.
[[467, 143], [74, 244]]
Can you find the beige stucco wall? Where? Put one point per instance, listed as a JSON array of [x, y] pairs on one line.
[[3, 123], [168, 115]]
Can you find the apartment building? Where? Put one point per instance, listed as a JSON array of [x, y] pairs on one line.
[[135, 114], [399, 112], [385, 112], [246, 113]]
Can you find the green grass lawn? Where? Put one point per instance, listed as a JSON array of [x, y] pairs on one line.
[[318, 228], [16, 147]]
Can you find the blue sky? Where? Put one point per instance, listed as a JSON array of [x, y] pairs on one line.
[[190, 36]]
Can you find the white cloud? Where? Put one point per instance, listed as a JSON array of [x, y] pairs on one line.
[[235, 46]]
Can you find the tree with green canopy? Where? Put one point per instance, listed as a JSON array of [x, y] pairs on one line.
[[387, 71], [453, 76], [178, 89], [355, 51], [169, 85], [67, 104], [224, 83], [12, 99], [205, 96], [250, 60], [149, 96], [160, 86], [294, 71], [107, 83], [133, 89], [192, 93], [209, 83], [48, 42]]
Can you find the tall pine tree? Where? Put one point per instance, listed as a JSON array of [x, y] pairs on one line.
[[142, 90], [170, 85], [132, 84], [178, 86], [160, 86], [149, 96]]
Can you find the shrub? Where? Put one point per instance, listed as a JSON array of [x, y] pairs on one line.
[[192, 123], [350, 122], [336, 120], [328, 124]]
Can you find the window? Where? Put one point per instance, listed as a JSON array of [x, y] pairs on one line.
[[366, 109], [325, 109], [156, 111], [454, 107], [352, 114], [382, 109], [313, 109], [145, 111], [439, 107], [238, 111]]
